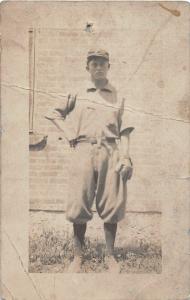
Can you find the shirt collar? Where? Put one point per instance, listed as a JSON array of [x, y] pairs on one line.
[[91, 87]]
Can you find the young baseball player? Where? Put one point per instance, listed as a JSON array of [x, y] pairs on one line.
[[98, 134]]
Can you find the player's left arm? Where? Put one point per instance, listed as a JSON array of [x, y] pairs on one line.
[[126, 165]]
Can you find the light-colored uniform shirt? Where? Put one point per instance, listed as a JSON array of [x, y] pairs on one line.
[[97, 113]]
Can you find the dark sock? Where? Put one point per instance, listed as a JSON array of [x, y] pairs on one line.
[[110, 234], [79, 233]]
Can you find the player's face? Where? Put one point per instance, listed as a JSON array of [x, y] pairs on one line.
[[98, 68]]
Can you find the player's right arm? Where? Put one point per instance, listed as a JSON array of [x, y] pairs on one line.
[[58, 114], [61, 111]]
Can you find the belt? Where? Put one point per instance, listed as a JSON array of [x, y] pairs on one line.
[[92, 140]]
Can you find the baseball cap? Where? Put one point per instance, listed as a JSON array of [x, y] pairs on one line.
[[98, 53]]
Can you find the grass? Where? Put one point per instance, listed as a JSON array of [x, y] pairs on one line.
[[52, 251]]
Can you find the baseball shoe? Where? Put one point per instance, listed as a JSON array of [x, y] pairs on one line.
[[113, 266], [76, 265]]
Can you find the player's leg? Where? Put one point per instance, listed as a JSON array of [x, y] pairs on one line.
[[80, 199], [78, 243], [110, 235], [110, 203], [79, 231]]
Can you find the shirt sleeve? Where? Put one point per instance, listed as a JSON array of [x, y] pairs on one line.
[[56, 114], [61, 111], [125, 120]]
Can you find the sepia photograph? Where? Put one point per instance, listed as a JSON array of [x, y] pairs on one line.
[[81, 128]]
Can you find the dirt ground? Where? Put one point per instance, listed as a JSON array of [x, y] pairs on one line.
[[138, 244]]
